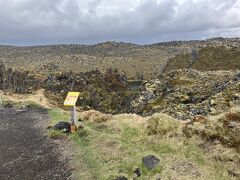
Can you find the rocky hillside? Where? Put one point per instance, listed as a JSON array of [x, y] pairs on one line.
[[134, 60]]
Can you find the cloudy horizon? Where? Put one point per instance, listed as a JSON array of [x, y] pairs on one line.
[[31, 22]]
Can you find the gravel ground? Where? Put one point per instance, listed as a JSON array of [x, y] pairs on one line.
[[25, 150]]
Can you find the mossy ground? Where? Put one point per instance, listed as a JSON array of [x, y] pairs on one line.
[[116, 147]]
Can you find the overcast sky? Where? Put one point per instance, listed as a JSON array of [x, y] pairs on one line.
[[31, 22]]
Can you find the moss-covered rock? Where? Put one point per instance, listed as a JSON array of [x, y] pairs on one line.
[[185, 93]]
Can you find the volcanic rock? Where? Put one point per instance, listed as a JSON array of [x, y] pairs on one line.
[[63, 126], [150, 161]]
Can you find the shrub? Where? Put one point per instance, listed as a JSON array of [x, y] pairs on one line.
[[95, 116], [161, 124], [7, 103], [83, 132], [233, 116], [32, 105], [224, 129], [56, 134]]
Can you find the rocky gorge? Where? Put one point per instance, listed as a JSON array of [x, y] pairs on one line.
[[182, 94]]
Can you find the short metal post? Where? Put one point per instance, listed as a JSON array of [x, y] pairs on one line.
[[0, 102], [73, 116]]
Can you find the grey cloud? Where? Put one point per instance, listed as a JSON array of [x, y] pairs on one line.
[[139, 21]]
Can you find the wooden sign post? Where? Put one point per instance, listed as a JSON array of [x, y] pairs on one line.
[[70, 101]]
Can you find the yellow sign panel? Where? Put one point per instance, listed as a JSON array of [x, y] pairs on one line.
[[71, 99]]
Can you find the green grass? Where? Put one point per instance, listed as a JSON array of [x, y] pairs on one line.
[[89, 157], [191, 151], [58, 115]]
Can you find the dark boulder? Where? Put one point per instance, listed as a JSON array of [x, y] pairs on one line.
[[150, 161], [63, 126]]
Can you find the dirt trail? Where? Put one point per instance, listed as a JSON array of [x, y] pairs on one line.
[[25, 151]]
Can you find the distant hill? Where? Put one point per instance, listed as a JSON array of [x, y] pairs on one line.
[[135, 60]]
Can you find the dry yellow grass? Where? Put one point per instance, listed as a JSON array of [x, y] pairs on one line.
[[95, 116], [37, 98]]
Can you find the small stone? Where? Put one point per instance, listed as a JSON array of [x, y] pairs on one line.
[[236, 96], [150, 161], [213, 103], [137, 172], [232, 125]]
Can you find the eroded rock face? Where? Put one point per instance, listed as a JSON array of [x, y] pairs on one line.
[[187, 93]]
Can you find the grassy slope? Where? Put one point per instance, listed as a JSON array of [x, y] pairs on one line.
[[133, 59], [208, 59], [116, 147]]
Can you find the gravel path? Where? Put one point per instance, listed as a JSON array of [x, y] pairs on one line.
[[25, 151]]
